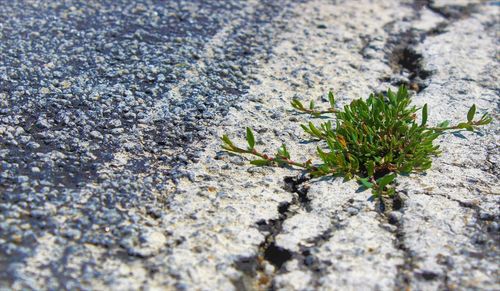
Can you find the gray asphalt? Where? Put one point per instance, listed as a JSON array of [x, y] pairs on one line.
[[82, 82]]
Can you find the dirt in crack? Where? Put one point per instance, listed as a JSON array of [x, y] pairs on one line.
[[453, 12], [406, 62], [393, 214], [259, 271], [296, 185], [269, 251], [405, 270], [277, 255]]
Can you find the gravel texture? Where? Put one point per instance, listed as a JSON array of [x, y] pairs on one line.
[[112, 174]]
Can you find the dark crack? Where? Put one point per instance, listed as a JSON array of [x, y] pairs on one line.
[[269, 251], [405, 61], [452, 12], [408, 69], [486, 233], [385, 205], [296, 185], [307, 256], [276, 255], [484, 236], [394, 211], [254, 268], [440, 28], [396, 217]]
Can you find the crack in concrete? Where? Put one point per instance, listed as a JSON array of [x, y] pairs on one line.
[[486, 239], [393, 214], [406, 271], [406, 62], [487, 236], [258, 275], [452, 12], [307, 256], [296, 185], [257, 269]]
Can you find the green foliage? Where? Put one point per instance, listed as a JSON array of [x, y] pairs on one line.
[[373, 140], [250, 138]]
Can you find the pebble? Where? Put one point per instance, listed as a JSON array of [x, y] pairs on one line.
[[483, 215], [352, 210], [95, 134]]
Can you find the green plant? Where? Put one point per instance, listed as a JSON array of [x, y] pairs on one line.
[[373, 140]]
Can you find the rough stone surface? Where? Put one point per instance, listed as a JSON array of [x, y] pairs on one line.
[[112, 174]]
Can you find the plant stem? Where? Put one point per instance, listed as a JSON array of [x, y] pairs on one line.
[[475, 123], [278, 159], [317, 112]]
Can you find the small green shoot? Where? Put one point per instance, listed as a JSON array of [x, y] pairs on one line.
[[312, 108]]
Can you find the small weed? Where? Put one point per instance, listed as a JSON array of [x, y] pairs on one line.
[[372, 140]]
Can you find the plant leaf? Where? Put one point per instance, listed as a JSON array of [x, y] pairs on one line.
[[466, 126], [297, 104], [227, 148], [283, 152], [370, 167], [227, 141], [385, 180], [331, 99], [471, 113], [305, 128], [391, 192], [314, 130], [406, 168], [444, 124], [424, 115], [260, 163], [378, 136], [342, 141], [365, 183], [250, 138]]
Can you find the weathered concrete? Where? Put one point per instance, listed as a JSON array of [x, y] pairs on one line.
[[162, 207]]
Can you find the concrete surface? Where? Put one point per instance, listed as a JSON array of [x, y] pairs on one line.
[[112, 174]]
